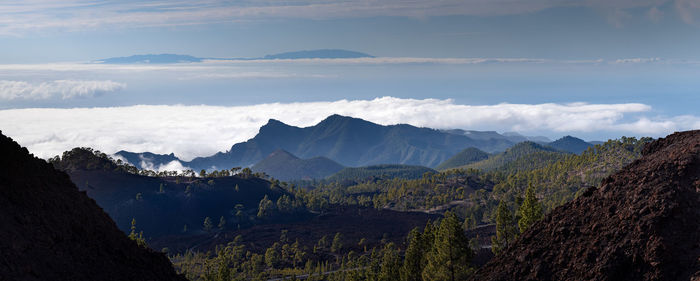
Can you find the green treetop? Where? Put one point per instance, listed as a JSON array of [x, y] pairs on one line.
[[450, 255], [530, 210], [505, 228]]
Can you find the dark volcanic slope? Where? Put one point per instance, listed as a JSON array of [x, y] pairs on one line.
[[51, 231], [642, 224]]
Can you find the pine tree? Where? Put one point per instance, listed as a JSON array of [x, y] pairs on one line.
[[208, 225], [137, 237], [391, 263], [470, 222], [272, 255], [413, 257], [530, 210], [265, 207], [505, 228], [222, 223], [449, 257], [337, 243]]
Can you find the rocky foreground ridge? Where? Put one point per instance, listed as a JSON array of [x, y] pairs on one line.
[[642, 223], [51, 231]]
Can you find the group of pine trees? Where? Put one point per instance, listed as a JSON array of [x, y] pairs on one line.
[[530, 211], [439, 252]]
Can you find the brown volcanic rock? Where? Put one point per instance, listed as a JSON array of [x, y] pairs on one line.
[[643, 223], [51, 231]]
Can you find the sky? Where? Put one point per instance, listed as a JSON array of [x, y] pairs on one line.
[[592, 69]]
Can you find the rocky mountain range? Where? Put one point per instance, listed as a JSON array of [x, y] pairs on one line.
[[350, 142]]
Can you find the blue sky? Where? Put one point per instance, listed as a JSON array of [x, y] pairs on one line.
[[452, 54]]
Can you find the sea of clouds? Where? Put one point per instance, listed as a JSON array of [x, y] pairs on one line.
[[202, 130]]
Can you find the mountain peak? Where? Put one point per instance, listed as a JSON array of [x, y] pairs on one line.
[[274, 122], [570, 144], [335, 117]]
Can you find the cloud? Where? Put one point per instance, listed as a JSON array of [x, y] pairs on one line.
[[17, 17], [253, 75], [688, 10], [191, 131], [637, 60], [66, 89], [147, 164]]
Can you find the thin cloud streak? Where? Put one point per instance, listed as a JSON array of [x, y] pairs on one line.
[[191, 131], [19, 17], [228, 65], [66, 89]]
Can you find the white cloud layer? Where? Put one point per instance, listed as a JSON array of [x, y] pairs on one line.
[[66, 89], [147, 164], [191, 131]]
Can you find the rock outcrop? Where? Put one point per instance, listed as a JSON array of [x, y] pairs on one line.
[[642, 223]]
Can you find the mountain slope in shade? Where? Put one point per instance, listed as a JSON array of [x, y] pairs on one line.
[[640, 224], [348, 141], [282, 165], [570, 144], [464, 157], [183, 200], [51, 231]]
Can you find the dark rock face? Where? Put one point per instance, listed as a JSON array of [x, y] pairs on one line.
[[51, 231], [643, 223]]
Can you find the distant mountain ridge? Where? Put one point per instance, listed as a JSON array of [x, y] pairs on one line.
[[174, 58], [349, 141], [282, 165], [510, 136]]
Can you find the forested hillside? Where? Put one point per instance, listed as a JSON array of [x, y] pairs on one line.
[[258, 227], [465, 157], [379, 171], [523, 156], [169, 203], [557, 180]]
